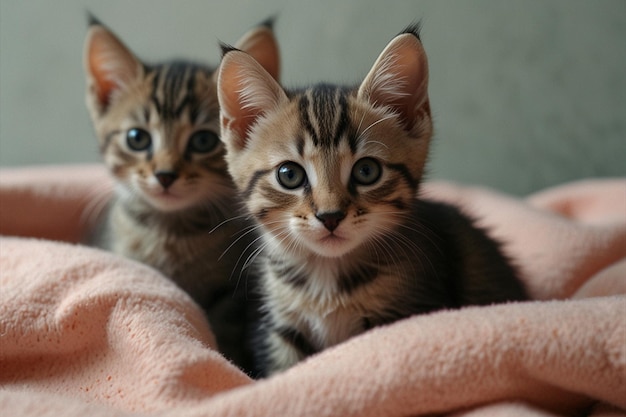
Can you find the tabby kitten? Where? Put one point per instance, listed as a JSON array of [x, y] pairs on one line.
[[331, 175], [157, 126]]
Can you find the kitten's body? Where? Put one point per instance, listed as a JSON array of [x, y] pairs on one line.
[[332, 174], [174, 207]]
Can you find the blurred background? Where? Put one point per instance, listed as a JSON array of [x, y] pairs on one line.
[[525, 94]]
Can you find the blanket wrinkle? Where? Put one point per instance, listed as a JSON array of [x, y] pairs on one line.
[[98, 327], [85, 332]]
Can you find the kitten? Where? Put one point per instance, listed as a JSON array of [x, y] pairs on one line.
[[174, 205], [331, 175]]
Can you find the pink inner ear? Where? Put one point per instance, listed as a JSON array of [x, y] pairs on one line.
[[266, 53], [262, 46], [235, 116], [104, 83], [110, 64], [399, 79], [245, 91]]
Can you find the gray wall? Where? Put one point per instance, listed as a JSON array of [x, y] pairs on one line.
[[525, 94]]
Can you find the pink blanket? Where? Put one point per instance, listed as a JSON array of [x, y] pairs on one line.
[[84, 332]]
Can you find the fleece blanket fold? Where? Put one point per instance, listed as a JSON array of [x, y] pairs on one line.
[[85, 332]]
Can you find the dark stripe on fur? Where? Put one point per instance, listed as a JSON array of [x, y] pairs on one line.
[[300, 145], [324, 110], [252, 183], [398, 203], [303, 106], [287, 273], [344, 122], [191, 100], [146, 114], [277, 198], [107, 139], [155, 87], [297, 340], [352, 142], [406, 174], [348, 283], [173, 82], [384, 190], [177, 76], [124, 156]]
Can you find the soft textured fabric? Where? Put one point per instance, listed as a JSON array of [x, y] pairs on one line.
[[84, 332]]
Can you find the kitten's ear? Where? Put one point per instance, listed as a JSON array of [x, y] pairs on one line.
[[399, 79], [262, 45], [245, 91], [110, 66]]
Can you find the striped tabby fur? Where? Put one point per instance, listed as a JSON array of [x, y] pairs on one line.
[[330, 174], [174, 201]]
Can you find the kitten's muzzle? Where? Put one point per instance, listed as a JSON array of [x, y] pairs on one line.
[[331, 220]]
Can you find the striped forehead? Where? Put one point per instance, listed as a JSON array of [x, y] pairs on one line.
[[174, 94], [327, 145], [325, 117]]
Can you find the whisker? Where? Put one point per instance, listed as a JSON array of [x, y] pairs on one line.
[[254, 254], [390, 116], [250, 229], [228, 220], [98, 199]]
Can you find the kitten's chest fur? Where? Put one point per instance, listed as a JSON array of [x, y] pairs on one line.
[[310, 296], [182, 246], [438, 260]]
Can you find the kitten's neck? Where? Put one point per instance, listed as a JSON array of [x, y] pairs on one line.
[[192, 220], [331, 276]]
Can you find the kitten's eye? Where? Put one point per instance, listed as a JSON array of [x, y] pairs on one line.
[[291, 175], [138, 139], [366, 171], [202, 141]]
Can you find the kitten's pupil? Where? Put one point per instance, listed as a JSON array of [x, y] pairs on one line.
[[366, 171], [138, 139], [202, 141], [291, 175]]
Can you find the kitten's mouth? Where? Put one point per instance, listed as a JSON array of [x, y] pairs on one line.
[[332, 239], [331, 245], [167, 200], [164, 195]]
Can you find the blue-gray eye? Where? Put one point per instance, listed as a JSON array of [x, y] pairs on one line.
[[291, 175], [138, 139], [366, 171], [202, 141]]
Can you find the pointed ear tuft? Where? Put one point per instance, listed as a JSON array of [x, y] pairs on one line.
[[413, 29], [399, 79], [261, 44], [245, 91], [92, 20], [226, 48], [110, 66]]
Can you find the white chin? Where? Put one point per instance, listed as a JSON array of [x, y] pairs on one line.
[[331, 246], [168, 202]]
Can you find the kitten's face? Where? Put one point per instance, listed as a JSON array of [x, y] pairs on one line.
[[326, 171], [158, 125], [160, 139], [329, 196]]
